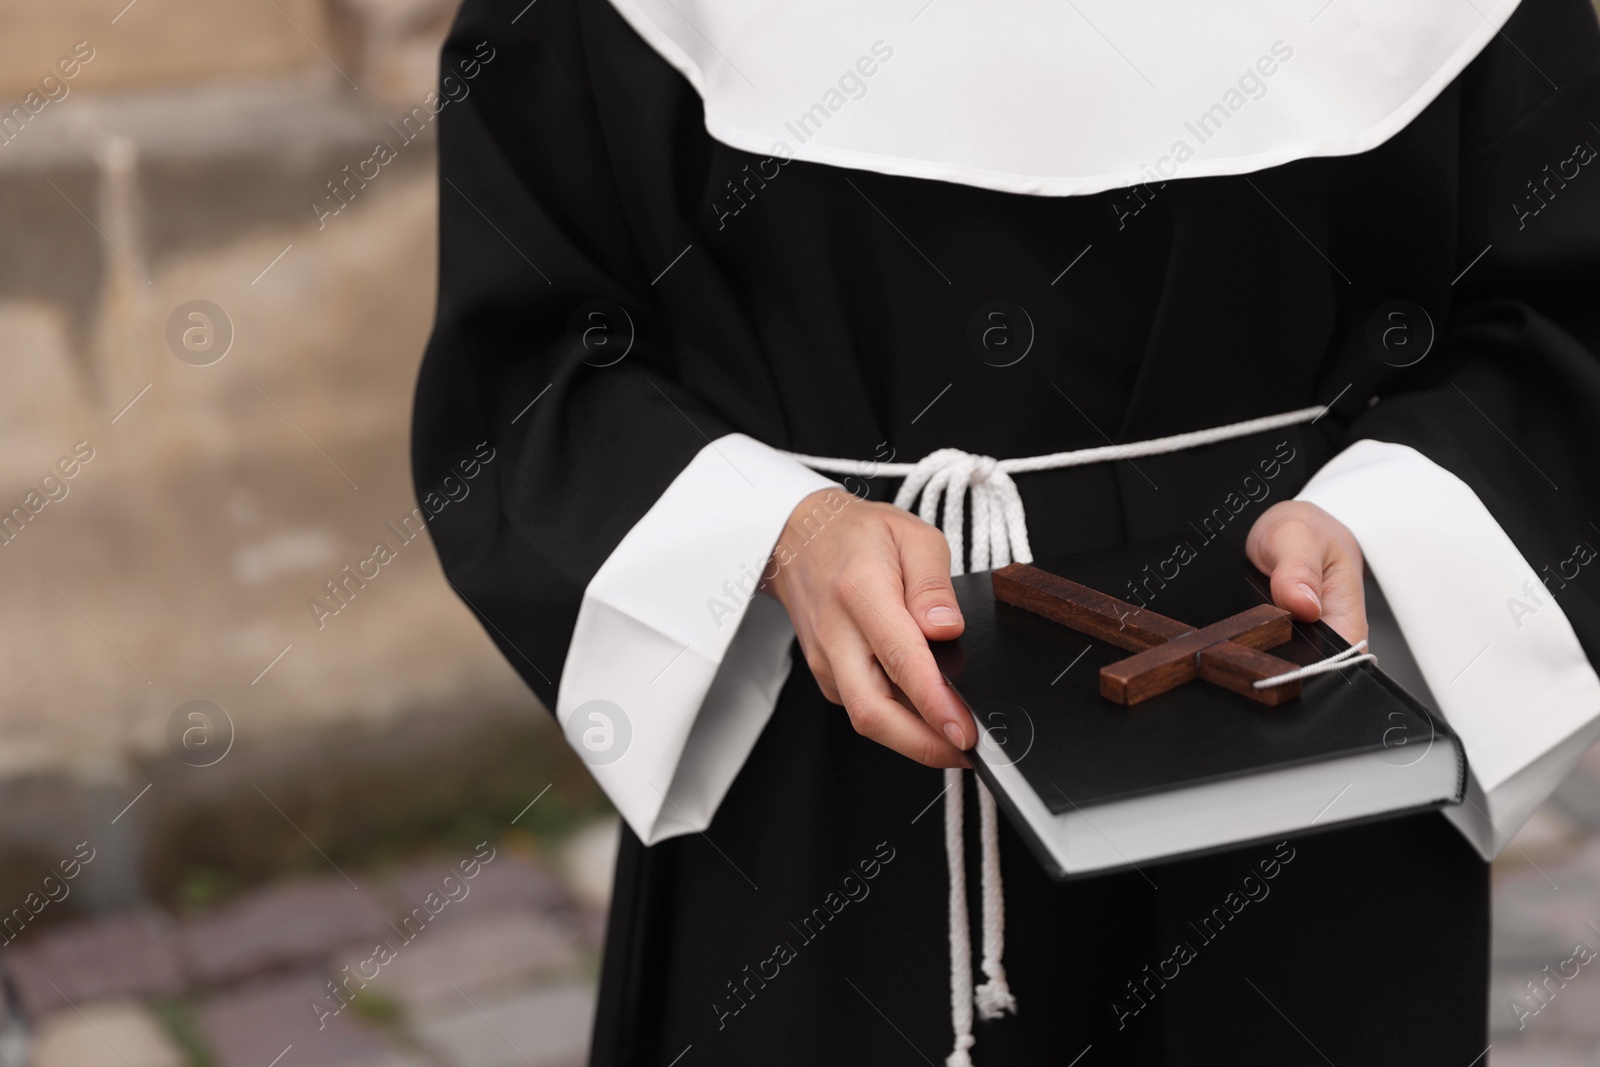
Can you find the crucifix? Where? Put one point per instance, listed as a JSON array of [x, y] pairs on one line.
[[1167, 653]]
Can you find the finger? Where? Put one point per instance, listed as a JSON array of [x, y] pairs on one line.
[[876, 714], [1344, 598], [1295, 554], [925, 570], [821, 670], [875, 604]]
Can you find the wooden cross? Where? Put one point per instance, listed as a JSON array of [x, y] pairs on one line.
[[1166, 652]]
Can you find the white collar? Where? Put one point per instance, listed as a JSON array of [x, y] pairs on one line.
[[1063, 97]]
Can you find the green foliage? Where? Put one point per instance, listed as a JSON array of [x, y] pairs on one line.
[[202, 888], [178, 1020], [437, 783], [379, 1009]]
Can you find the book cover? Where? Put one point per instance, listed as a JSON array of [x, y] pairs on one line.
[[1095, 784]]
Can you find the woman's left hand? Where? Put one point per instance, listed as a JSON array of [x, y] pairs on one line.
[[1315, 566]]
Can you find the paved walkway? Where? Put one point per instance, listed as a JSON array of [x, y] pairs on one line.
[[483, 960], [489, 960], [1544, 1003]]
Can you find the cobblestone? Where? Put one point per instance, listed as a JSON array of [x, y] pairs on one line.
[[129, 956], [506, 883], [548, 1027], [280, 927], [111, 1034], [480, 955], [255, 1025]]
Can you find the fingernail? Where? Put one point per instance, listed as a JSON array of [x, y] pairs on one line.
[[953, 732], [943, 616], [1312, 593]]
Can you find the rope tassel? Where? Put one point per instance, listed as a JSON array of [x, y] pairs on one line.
[[994, 997], [960, 935]]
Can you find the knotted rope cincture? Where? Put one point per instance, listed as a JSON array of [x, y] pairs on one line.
[[999, 536], [999, 527]]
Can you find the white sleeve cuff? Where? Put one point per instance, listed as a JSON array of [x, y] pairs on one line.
[[1499, 656], [676, 661]]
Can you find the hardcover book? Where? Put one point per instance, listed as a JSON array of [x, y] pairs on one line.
[[1095, 785]]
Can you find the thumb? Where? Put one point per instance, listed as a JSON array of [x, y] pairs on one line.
[[1294, 555], [1315, 574], [1344, 598], [925, 570]]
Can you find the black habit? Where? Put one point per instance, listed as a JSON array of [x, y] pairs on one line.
[[823, 310]]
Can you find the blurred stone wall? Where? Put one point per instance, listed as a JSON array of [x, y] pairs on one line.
[[205, 422]]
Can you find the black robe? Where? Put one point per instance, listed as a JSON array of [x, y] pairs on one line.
[[822, 310]]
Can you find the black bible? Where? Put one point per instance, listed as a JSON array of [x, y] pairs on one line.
[[1095, 785]]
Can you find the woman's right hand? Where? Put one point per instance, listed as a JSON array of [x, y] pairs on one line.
[[867, 585]]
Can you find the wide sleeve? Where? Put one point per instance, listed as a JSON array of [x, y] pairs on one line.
[[598, 505], [1471, 480]]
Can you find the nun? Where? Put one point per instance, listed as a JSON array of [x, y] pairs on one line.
[[778, 313]]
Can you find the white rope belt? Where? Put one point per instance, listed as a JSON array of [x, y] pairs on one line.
[[999, 536]]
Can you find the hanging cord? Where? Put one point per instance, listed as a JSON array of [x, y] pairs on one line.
[[999, 536], [960, 936], [1336, 662], [994, 997]]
